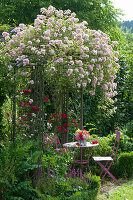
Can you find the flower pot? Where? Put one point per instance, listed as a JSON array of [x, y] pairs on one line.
[[82, 142]]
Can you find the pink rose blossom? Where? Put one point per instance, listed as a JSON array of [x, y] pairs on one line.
[[64, 149], [79, 62], [71, 62], [5, 34], [11, 42], [24, 73], [105, 87], [115, 43], [69, 72], [10, 67], [26, 62], [57, 150], [30, 42], [90, 67], [76, 70], [92, 92], [67, 12], [32, 82], [84, 84], [22, 26]]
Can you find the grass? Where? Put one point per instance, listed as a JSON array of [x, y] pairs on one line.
[[109, 191]]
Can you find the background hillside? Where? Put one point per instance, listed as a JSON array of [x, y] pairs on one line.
[[127, 24]]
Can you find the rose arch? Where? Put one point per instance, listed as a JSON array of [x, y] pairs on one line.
[[58, 55]]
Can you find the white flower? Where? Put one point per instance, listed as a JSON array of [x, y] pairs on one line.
[[33, 114], [78, 85], [31, 81], [31, 101], [49, 125], [84, 84], [10, 67], [69, 72]]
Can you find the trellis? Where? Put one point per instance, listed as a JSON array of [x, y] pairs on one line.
[[38, 126]]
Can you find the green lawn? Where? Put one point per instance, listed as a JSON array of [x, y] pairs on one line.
[[124, 192]]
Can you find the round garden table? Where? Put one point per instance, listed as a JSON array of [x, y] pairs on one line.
[[81, 161]]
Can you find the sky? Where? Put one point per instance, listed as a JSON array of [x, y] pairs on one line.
[[126, 6]]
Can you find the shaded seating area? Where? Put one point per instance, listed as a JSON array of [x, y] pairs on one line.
[[110, 160]]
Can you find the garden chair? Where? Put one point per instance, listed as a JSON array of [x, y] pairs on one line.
[[109, 160]]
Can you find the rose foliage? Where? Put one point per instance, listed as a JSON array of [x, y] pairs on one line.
[[65, 49]]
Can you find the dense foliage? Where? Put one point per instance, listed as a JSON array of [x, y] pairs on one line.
[[100, 15]]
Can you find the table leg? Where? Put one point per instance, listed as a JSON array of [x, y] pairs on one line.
[[89, 165], [81, 159], [88, 158]]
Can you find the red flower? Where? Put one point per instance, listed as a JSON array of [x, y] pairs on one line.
[[65, 130], [29, 103], [81, 138], [63, 115], [59, 128], [46, 98], [58, 116], [8, 114], [55, 116], [22, 104], [65, 125], [57, 142], [75, 122], [94, 142], [34, 108], [78, 144], [26, 91], [29, 114]]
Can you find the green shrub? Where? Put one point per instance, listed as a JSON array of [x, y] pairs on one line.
[[125, 145], [70, 188], [22, 191], [125, 165], [128, 129], [15, 160]]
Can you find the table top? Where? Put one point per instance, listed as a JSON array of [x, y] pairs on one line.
[[73, 144]]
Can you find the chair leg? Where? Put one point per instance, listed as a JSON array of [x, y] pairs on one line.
[[103, 170], [106, 168], [106, 171]]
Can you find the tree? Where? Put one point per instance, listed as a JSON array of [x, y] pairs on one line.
[[100, 14], [14, 12]]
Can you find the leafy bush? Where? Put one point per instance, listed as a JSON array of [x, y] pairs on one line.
[[128, 129], [125, 165], [70, 188], [15, 160], [22, 191], [125, 145]]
